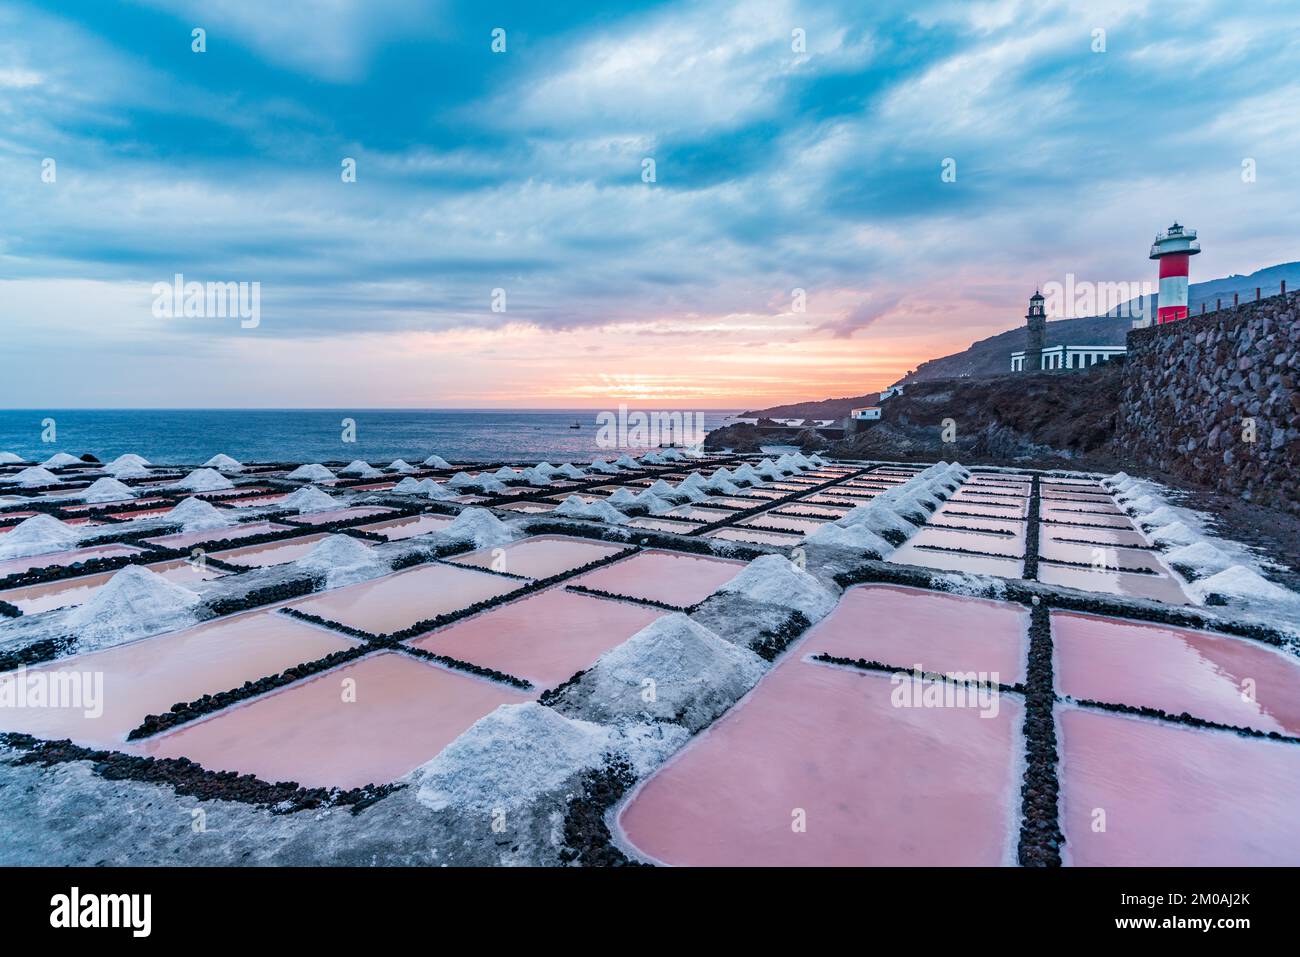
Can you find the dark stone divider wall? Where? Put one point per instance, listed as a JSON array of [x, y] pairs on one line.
[[1193, 388]]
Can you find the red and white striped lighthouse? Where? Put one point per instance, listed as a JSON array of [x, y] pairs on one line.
[[1173, 248]]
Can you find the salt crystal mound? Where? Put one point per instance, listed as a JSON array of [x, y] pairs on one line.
[[1160, 517], [1175, 533], [691, 493], [479, 526], [514, 757], [9, 458], [224, 463], [309, 499], [134, 603], [312, 473], [196, 515], [359, 469], [598, 511], [801, 461], [569, 470], [127, 470], [879, 518], [775, 580], [105, 490], [673, 455], [696, 676], [343, 560], [745, 475], [625, 498], [203, 480], [34, 477], [1201, 558], [128, 458], [535, 476], [37, 535], [816, 460], [664, 490], [603, 467], [857, 538], [767, 469], [437, 462], [400, 465], [653, 458], [626, 461], [60, 459], [426, 487], [507, 474], [1240, 584], [482, 482]]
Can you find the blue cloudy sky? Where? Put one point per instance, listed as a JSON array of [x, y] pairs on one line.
[[776, 169]]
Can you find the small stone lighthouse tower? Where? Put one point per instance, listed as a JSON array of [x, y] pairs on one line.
[[1036, 325]]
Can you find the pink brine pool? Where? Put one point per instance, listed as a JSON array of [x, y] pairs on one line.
[[68, 592], [545, 638], [396, 529], [339, 515], [825, 748], [272, 553], [186, 539], [680, 580], [15, 566], [398, 601], [367, 722], [149, 676], [1174, 796], [910, 626], [540, 557], [1215, 677]]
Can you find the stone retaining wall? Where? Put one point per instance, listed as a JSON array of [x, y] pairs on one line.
[[1214, 399]]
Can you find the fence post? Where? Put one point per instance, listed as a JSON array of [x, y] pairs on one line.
[[1284, 287], [1257, 294], [1218, 304], [1236, 300]]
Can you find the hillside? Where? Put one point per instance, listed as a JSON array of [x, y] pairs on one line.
[[823, 409]]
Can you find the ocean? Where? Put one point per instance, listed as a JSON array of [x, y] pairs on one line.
[[189, 436]]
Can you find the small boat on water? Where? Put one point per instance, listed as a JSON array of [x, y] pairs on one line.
[[576, 425]]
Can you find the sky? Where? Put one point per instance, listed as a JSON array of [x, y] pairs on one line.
[[673, 205]]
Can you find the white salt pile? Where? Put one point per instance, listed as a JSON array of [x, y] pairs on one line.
[[626, 461], [1240, 584], [426, 487], [625, 498], [128, 458], [481, 482], [1175, 533], [671, 670], [654, 458], [767, 469], [775, 580], [877, 516], [224, 463], [603, 467], [37, 536], [1200, 558], [343, 560], [309, 499], [9, 458], [437, 462], [598, 510], [510, 759], [312, 473], [105, 490], [132, 604], [507, 474], [196, 515], [536, 476], [60, 459], [204, 480], [745, 475], [479, 526], [359, 469], [34, 477], [858, 538], [127, 470], [569, 470], [400, 465]]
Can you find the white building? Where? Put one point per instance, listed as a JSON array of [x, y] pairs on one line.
[[1069, 357], [892, 391], [866, 413]]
